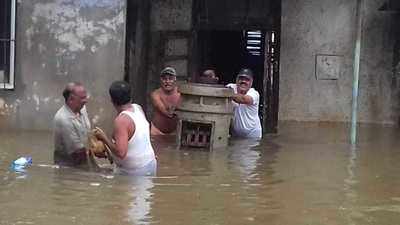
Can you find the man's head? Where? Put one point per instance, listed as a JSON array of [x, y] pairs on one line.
[[120, 93], [75, 96], [244, 80], [208, 77], [209, 74], [168, 79]]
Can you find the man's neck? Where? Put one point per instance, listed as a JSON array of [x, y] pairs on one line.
[[169, 92], [75, 111], [124, 107]]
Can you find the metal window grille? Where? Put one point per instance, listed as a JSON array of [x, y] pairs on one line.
[[254, 42], [7, 43]]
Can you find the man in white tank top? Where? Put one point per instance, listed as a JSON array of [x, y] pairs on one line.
[[130, 145]]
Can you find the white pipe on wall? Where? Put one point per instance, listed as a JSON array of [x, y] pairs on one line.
[[356, 72]]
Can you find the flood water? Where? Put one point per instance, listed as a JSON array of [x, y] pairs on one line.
[[308, 174]]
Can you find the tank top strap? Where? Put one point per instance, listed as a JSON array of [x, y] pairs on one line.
[[131, 114]]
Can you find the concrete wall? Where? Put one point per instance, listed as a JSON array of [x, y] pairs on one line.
[[84, 40], [328, 27], [60, 41]]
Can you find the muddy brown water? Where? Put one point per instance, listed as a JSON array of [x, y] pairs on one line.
[[308, 174]]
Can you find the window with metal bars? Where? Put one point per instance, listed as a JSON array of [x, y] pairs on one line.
[[7, 43]]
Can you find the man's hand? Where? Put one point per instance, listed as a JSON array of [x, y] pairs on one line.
[[100, 154], [171, 111], [99, 133]]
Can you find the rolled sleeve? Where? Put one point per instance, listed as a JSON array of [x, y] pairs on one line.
[[254, 95]]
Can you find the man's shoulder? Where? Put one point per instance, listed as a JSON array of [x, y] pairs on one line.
[[123, 121], [62, 115], [253, 91], [156, 92], [122, 118], [231, 85]]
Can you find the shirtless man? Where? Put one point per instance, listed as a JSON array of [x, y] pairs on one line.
[[165, 100]]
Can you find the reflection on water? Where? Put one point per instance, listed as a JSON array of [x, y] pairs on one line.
[[139, 208], [308, 174], [245, 155]]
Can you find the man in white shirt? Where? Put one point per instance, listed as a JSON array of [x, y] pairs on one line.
[[246, 122]]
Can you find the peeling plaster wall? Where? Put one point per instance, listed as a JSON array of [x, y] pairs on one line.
[[60, 41], [311, 27]]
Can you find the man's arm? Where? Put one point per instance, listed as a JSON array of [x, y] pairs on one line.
[[122, 127], [242, 99], [159, 105], [239, 98]]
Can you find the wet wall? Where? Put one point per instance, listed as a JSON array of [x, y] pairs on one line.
[[317, 50], [84, 40], [60, 41]]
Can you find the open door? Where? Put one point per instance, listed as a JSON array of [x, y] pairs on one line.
[[137, 35], [227, 51], [245, 34]]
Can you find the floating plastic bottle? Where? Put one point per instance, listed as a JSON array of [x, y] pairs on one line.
[[21, 163]]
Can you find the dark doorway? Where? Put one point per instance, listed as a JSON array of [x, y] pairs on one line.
[[223, 52], [228, 51], [235, 34], [137, 35]]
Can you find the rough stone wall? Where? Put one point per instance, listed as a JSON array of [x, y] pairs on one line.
[[328, 27], [60, 41], [396, 61]]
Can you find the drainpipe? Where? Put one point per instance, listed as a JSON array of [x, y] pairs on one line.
[[356, 72]]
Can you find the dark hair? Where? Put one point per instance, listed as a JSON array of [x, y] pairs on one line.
[[246, 72], [120, 92], [69, 88], [208, 72]]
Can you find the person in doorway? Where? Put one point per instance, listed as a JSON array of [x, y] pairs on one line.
[[71, 127], [131, 148], [246, 122], [208, 77], [165, 100]]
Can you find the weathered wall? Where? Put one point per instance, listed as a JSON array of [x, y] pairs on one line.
[[396, 58], [311, 27], [60, 41]]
